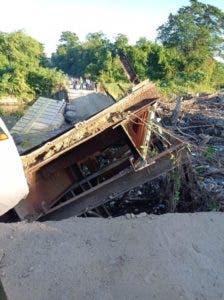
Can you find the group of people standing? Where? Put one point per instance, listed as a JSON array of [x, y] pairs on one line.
[[83, 84]]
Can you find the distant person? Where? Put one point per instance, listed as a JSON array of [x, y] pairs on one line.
[[74, 84], [88, 84], [81, 83]]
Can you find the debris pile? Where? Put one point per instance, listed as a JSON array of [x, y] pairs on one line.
[[201, 124], [129, 158], [112, 151]]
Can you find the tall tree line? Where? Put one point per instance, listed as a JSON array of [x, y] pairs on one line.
[[186, 55], [23, 71]]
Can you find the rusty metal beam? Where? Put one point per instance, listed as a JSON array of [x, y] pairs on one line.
[[144, 95], [128, 69], [118, 185], [106, 169], [84, 150]]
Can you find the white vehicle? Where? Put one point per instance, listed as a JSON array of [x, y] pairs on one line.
[[13, 184]]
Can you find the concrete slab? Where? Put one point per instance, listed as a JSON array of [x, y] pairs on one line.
[[173, 256]]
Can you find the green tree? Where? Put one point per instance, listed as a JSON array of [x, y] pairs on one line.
[[194, 27], [121, 43], [68, 55], [138, 56], [20, 57], [195, 34], [96, 54], [69, 38]]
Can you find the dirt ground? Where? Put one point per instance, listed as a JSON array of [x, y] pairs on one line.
[[172, 256]]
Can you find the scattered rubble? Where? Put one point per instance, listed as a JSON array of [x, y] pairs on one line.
[[130, 160], [139, 138], [98, 159], [201, 124]]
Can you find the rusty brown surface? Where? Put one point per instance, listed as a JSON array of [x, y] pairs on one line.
[[53, 169], [145, 95], [42, 190], [119, 184], [136, 128], [81, 151], [49, 182], [129, 71], [54, 180]]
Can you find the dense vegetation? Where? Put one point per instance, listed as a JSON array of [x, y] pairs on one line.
[[22, 68], [186, 57]]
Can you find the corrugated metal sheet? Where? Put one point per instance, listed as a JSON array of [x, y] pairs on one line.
[[42, 121], [45, 120], [44, 115], [145, 96]]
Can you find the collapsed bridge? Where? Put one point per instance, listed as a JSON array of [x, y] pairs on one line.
[[96, 158]]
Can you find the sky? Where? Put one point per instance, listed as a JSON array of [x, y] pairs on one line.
[[44, 20]]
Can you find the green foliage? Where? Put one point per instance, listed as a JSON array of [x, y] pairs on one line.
[[209, 152], [213, 205], [139, 56], [46, 81], [22, 68], [183, 64], [195, 27], [218, 76], [195, 34], [117, 89], [95, 58], [121, 43], [112, 71], [185, 61]]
